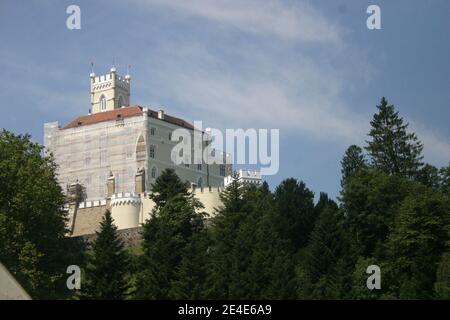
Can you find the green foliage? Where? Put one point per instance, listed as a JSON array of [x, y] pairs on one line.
[[416, 243], [359, 280], [370, 201], [295, 209], [392, 149], [326, 264], [167, 236], [166, 186], [106, 272], [352, 162], [32, 223], [393, 212], [444, 175], [428, 175], [248, 258], [442, 285]]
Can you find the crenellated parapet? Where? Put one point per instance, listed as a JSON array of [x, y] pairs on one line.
[[125, 198]]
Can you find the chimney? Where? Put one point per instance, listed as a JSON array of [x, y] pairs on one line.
[[111, 185], [75, 192], [161, 114]]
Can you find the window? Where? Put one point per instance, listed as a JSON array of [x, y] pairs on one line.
[[222, 170], [102, 102], [199, 167], [152, 151], [152, 131], [153, 173], [120, 103]]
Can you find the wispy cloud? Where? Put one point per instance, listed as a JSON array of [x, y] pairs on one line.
[[295, 71], [295, 21]]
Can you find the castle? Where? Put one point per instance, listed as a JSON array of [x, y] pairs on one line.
[[109, 158]]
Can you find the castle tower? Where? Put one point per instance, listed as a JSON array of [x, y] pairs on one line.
[[109, 91]]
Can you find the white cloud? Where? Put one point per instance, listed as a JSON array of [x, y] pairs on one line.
[[296, 21], [275, 81]]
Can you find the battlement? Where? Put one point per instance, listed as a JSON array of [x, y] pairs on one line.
[[196, 190], [107, 80], [109, 91], [125, 198], [91, 204]]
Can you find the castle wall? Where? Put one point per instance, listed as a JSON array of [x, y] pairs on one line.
[[130, 210], [88, 220], [126, 210]]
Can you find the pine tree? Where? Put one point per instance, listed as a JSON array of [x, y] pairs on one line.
[[166, 186], [442, 285], [444, 174], [321, 272], [428, 175], [295, 210], [392, 149], [352, 162], [188, 281], [231, 197], [248, 259], [106, 273], [370, 202], [416, 243], [166, 235], [223, 231]]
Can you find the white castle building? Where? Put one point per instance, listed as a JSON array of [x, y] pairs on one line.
[[109, 158], [245, 177]]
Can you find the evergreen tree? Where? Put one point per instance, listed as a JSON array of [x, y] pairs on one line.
[[189, 280], [352, 162], [174, 223], [166, 186], [106, 272], [295, 211], [370, 202], [416, 243], [444, 183], [428, 175], [32, 222], [223, 232], [442, 285], [166, 235], [324, 264], [248, 258], [392, 149], [359, 289]]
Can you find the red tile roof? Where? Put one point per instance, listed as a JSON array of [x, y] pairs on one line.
[[122, 113]]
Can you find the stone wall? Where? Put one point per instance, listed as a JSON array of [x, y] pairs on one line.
[[131, 237], [87, 220]]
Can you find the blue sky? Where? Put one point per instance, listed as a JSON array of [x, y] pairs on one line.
[[310, 68]]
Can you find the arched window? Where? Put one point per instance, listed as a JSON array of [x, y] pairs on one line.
[[200, 182], [120, 103], [153, 172], [102, 102]]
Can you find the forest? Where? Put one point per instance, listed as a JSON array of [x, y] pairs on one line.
[[393, 211]]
